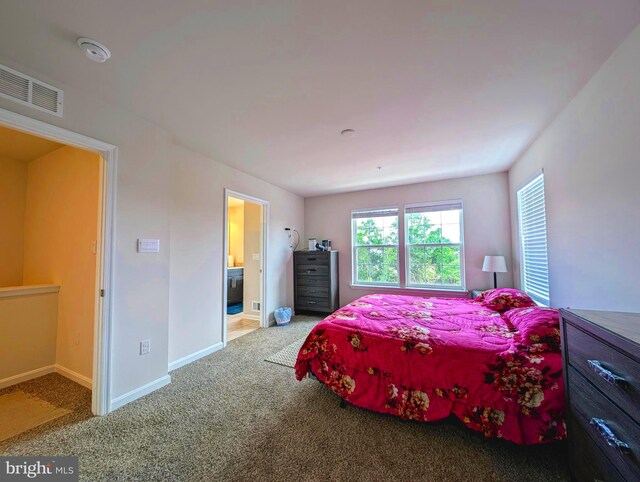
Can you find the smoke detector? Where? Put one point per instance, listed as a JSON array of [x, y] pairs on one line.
[[94, 50]]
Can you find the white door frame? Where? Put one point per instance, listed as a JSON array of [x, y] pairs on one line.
[[101, 381], [264, 250]]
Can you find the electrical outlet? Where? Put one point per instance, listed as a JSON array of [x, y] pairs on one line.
[[145, 347]]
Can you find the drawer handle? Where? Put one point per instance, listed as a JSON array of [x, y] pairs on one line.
[[311, 270], [608, 375], [312, 259], [609, 436], [312, 302]]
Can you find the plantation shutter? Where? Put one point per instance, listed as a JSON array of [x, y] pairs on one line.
[[533, 240]]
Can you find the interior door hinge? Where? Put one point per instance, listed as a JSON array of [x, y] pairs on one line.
[[101, 293]]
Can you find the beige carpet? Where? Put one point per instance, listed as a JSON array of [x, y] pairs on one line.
[[232, 417], [20, 412], [288, 355]]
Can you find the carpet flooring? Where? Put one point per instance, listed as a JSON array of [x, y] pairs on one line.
[[231, 416]]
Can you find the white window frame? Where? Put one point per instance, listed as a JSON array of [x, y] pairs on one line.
[[542, 297], [354, 246], [403, 264]]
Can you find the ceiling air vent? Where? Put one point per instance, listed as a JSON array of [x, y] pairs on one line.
[[29, 91]]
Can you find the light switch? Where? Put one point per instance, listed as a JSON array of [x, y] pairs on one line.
[[148, 245], [256, 257]]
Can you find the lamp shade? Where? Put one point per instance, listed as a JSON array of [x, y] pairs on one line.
[[496, 264]]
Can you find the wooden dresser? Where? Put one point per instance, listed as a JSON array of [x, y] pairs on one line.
[[601, 352], [316, 281]]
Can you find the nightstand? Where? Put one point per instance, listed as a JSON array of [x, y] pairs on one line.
[[476, 293]]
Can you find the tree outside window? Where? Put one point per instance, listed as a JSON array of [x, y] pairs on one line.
[[432, 247]]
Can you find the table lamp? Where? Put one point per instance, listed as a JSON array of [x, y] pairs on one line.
[[497, 264]]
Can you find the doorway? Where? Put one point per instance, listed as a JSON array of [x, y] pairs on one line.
[[244, 270], [93, 338]]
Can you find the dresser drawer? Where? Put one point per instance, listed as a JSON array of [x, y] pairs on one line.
[[309, 303], [588, 462], [588, 405], [600, 364], [313, 291], [312, 281], [312, 270], [312, 258]]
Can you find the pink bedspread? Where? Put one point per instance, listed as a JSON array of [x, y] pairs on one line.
[[427, 358]]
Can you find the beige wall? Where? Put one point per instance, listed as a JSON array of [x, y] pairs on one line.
[[591, 160], [141, 284], [252, 229], [147, 160], [28, 325], [486, 223], [236, 234], [197, 248], [60, 229], [13, 193]]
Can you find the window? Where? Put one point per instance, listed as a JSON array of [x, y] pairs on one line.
[[534, 271], [375, 247], [434, 245], [420, 247]]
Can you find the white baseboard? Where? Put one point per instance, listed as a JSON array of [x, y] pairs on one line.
[[30, 375], [76, 377], [194, 356], [139, 392]]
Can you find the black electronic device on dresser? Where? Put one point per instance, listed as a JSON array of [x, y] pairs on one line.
[[315, 285], [601, 353]]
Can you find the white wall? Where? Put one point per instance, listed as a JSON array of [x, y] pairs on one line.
[[591, 159], [150, 168], [198, 183], [251, 246], [486, 223], [141, 297]]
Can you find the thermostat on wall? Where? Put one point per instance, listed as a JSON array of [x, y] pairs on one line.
[[148, 245]]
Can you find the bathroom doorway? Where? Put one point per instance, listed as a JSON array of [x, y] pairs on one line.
[[244, 267]]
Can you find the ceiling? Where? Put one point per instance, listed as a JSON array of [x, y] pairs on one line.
[[434, 88], [20, 146]]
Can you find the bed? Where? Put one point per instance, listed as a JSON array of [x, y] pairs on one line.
[[493, 362]]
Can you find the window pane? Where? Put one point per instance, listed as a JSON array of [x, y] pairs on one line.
[[440, 261], [377, 265], [417, 271], [451, 274], [376, 231], [451, 217], [451, 233], [433, 274]]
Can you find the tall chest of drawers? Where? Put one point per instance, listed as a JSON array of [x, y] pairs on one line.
[[316, 281], [601, 352]]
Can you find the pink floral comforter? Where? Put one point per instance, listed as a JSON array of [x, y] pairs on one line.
[[427, 358]]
